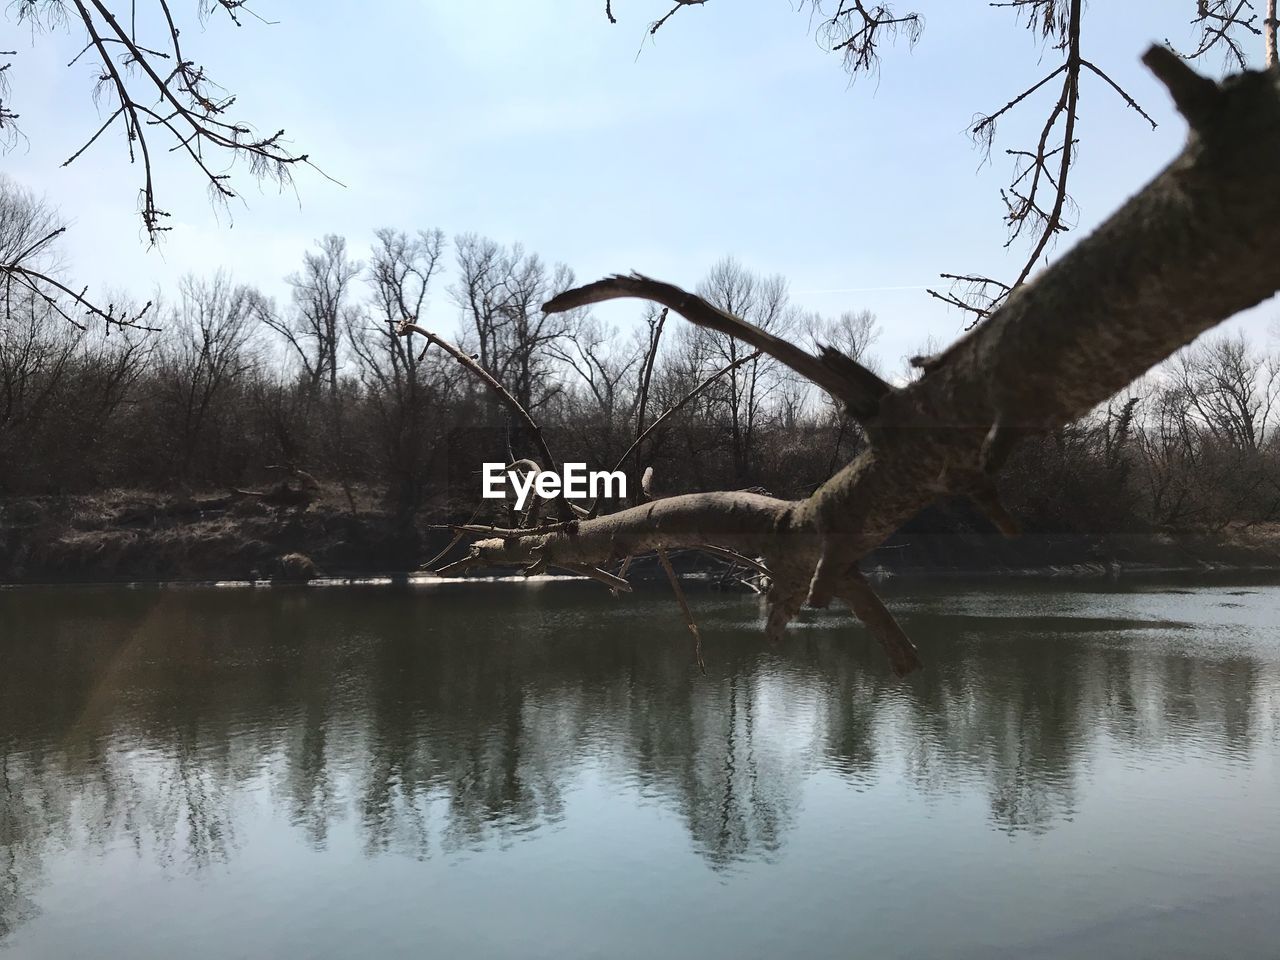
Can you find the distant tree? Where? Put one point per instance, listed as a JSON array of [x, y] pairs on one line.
[[405, 391], [765, 303], [1231, 389], [501, 291], [204, 359], [315, 324]]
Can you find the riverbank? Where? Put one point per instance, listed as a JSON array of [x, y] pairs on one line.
[[131, 536]]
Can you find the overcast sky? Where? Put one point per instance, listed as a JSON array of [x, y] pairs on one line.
[[535, 121]]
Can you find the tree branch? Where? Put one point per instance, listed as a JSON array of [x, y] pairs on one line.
[[843, 378], [684, 608], [870, 609]]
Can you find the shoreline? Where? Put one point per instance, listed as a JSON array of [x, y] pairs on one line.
[[421, 579], [131, 537]]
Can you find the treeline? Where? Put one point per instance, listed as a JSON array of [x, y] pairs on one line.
[[235, 386]]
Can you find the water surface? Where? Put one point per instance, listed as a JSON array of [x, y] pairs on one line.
[[511, 771]]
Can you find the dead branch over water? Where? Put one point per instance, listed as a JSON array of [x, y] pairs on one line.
[[1194, 247]]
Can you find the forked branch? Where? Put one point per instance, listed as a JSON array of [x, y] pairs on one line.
[[843, 378]]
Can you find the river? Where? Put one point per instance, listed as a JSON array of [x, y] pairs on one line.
[[529, 771]]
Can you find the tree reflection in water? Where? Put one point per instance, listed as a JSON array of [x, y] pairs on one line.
[[436, 721]]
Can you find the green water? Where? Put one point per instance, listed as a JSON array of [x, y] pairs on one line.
[[540, 771]]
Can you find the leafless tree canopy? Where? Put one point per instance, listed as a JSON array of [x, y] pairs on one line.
[[159, 96], [29, 267], [154, 91]]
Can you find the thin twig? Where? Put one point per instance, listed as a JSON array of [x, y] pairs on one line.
[[595, 573], [724, 553]]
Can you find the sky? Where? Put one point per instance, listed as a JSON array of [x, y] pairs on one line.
[[729, 133]]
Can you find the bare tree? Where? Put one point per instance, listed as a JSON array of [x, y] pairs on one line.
[[1208, 442], [205, 356], [852, 333], [596, 413], [36, 360], [501, 291], [321, 311], [765, 303], [315, 330], [1085, 327], [404, 391], [63, 392], [1171, 471], [1231, 390], [589, 350]]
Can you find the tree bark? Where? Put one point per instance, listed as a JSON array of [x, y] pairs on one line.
[[1270, 24]]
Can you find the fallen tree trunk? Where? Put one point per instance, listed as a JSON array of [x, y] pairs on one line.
[[1195, 246]]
